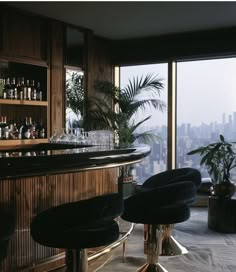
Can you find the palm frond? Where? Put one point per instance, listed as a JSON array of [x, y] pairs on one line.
[[114, 107]]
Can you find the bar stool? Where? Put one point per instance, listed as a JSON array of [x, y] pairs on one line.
[[170, 246], [77, 226], [156, 207], [7, 228]]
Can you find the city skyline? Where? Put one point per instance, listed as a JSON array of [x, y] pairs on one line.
[[203, 87]]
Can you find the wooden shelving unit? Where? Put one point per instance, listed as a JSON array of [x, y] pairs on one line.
[[23, 102]]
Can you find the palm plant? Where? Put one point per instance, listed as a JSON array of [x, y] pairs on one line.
[[113, 108]]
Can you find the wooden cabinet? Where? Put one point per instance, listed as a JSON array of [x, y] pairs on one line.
[[22, 35], [24, 47]]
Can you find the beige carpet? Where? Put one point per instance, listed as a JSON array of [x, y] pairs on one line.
[[209, 251]]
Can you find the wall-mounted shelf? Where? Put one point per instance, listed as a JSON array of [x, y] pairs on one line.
[[23, 102], [5, 143]]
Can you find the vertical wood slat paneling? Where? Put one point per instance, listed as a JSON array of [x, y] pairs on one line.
[[29, 196]]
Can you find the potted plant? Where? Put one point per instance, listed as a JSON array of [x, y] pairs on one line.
[[220, 159], [113, 108]]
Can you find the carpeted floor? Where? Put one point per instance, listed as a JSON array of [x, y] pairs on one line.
[[209, 251]]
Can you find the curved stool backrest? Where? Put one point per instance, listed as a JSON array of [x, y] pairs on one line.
[[174, 176]]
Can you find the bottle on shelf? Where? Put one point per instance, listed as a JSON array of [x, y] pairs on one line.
[[1, 128], [12, 89], [24, 130], [39, 93], [33, 91], [29, 90], [2, 86], [41, 130], [31, 128], [5, 128], [23, 89], [7, 89], [17, 89], [4, 96], [15, 131]]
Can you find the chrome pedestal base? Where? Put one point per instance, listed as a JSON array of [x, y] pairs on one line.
[[171, 247], [152, 268], [153, 235], [77, 260]]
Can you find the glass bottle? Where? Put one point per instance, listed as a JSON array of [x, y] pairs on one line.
[[33, 91], [2, 85], [39, 92], [7, 89], [28, 90]]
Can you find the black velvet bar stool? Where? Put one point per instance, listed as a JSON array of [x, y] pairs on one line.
[[7, 228], [170, 246], [157, 207], [79, 225]]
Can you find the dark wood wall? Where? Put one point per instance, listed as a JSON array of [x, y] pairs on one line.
[[198, 44]]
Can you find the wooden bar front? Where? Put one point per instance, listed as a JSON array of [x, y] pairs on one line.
[[26, 197]]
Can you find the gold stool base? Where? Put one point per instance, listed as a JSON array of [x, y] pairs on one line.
[[152, 268], [171, 247]]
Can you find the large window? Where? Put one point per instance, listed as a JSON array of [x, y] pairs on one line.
[[157, 160], [206, 106]]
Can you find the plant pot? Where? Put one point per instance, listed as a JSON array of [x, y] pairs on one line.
[[224, 189]]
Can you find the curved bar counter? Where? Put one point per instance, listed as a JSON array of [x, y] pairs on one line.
[[35, 178], [44, 159]]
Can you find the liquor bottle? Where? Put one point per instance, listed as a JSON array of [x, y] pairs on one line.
[[31, 129], [20, 89], [5, 128], [10, 130], [23, 89], [15, 133], [2, 85], [25, 132], [1, 129], [41, 130], [33, 91], [7, 89], [12, 88], [17, 89], [39, 92], [28, 90], [35, 131]]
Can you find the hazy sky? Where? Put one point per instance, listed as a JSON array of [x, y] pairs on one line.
[[206, 89], [160, 70]]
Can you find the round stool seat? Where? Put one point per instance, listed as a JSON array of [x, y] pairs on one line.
[[77, 237], [157, 215], [82, 224]]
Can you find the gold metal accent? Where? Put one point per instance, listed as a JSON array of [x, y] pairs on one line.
[[171, 139], [171, 247], [153, 235], [152, 268], [80, 263]]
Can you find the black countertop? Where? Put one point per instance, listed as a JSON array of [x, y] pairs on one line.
[[44, 159]]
